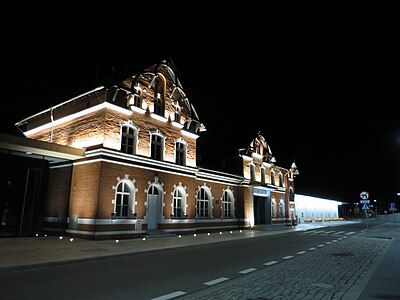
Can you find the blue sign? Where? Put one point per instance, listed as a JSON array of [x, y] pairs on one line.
[[392, 205], [365, 206]]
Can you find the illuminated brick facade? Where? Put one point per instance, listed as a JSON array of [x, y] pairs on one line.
[[139, 171]]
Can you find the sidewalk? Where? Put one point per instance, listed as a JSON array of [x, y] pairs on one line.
[[31, 252]]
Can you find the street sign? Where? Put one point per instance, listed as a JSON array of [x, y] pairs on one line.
[[393, 207], [364, 201], [364, 195], [365, 206]]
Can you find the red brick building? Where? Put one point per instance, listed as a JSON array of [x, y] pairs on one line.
[[139, 171]]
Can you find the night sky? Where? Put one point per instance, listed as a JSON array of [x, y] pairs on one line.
[[321, 85]]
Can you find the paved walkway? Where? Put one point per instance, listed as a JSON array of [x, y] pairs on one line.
[[30, 252], [338, 270]]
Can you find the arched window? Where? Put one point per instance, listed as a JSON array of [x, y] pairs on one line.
[[273, 207], [157, 146], [252, 172], [124, 203], [272, 174], [128, 139], [227, 204], [262, 174], [203, 203], [180, 152], [159, 97], [280, 179], [179, 203], [281, 208]]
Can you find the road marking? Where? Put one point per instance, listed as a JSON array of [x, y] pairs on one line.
[[215, 281], [351, 232], [321, 246], [270, 263], [170, 296], [334, 241], [288, 257], [340, 232], [301, 252], [312, 248], [247, 270], [329, 231], [328, 243]]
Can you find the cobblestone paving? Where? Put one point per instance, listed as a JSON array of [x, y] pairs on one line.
[[337, 271]]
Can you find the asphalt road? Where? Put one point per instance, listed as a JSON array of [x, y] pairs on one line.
[[159, 273]]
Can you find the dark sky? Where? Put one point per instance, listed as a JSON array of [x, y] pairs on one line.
[[321, 83]]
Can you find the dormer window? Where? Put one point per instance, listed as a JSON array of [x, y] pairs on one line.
[[137, 96], [158, 97], [177, 112]]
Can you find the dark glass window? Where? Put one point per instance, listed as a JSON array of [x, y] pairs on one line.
[[156, 147], [128, 139], [180, 153], [122, 200]]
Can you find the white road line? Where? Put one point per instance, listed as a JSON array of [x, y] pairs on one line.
[[215, 281], [340, 232], [351, 232], [334, 241], [247, 270], [329, 231], [328, 243], [170, 296], [301, 252], [270, 263], [312, 248], [288, 257], [321, 245]]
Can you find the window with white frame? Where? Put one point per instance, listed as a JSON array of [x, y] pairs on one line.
[[180, 153], [227, 202], [281, 208], [203, 203], [124, 200], [128, 138], [157, 146], [179, 203]]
